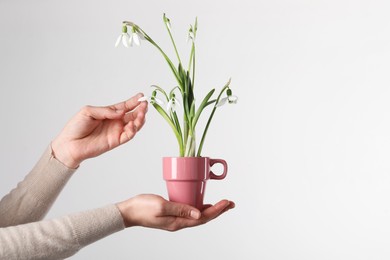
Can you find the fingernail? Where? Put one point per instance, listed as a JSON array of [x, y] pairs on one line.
[[195, 214]]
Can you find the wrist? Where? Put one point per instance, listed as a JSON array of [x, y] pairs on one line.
[[60, 152], [124, 209]]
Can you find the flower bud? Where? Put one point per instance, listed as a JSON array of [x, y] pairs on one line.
[[124, 29], [229, 92]]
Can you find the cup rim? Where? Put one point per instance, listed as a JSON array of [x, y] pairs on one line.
[[186, 157]]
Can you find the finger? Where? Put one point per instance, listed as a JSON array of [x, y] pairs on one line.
[[206, 206], [229, 207], [131, 128], [214, 211], [181, 210], [128, 133], [137, 117], [139, 113], [100, 113], [140, 119], [209, 213], [129, 104]]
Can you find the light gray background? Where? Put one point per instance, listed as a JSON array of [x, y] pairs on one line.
[[308, 144]]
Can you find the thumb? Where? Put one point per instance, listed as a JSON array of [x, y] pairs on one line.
[[101, 113], [181, 210]]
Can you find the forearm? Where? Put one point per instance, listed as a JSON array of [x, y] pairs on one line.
[[34, 196], [59, 238]]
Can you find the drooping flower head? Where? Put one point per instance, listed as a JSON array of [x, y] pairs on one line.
[[173, 103], [124, 37], [229, 98], [129, 39], [152, 99]]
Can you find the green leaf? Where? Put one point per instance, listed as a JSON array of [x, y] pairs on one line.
[[172, 124], [210, 102], [201, 107], [185, 104], [189, 89], [191, 115], [192, 112], [177, 123]]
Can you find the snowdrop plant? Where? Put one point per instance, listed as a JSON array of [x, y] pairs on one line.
[[181, 96]]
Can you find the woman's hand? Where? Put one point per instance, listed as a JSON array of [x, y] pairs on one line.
[[95, 130], [153, 211]]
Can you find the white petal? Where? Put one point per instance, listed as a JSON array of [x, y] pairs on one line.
[[131, 40], [177, 103], [118, 40], [141, 36], [125, 40], [190, 36], [156, 100], [144, 98], [136, 39], [159, 101], [169, 105], [233, 99], [173, 107], [221, 102]]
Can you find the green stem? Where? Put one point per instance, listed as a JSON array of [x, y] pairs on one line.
[[172, 124], [173, 42], [193, 69], [201, 107], [191, 63], [191, 55], [205, 132], [190, 146], [185, 129], [168, 60], [161, 90], [210, 118]]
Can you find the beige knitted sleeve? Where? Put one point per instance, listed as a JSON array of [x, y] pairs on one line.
[[59, 238], [33, 197], [49, 239]]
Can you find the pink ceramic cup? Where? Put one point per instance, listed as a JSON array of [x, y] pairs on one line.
[[186, 178]]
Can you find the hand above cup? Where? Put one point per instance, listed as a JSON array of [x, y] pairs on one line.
[[96, 130]]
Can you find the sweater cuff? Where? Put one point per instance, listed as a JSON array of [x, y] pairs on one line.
[[90, 226], [52, 174]]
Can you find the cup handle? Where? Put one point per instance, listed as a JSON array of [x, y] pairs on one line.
[[213, 176]]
